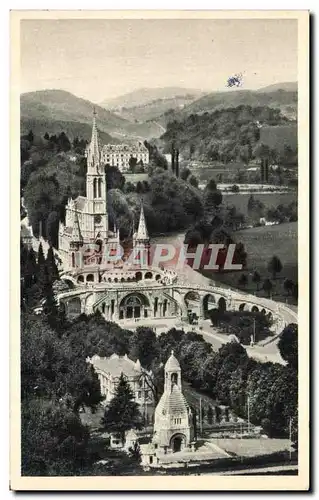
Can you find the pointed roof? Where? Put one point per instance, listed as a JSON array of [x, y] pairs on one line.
[[93, 150], [76, 233], [172, 363], [142, 233], [173, 403]]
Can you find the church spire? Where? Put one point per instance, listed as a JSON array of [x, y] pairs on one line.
[[94, 153], [142, 233], [76, 233]]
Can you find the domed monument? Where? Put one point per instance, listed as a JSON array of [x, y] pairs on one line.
[[173, 423]]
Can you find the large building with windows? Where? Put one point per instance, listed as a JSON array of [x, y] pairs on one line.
[[119, 155], [109, 371]]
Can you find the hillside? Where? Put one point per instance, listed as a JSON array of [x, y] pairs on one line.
[[224, 135], [72, 129], [285, 86], [286, 101], [153, 109], [59, 105], [141, 97]]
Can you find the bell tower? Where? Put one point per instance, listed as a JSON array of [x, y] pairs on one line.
[[96, 188]]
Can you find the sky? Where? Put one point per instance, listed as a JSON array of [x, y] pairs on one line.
[[102, 59]]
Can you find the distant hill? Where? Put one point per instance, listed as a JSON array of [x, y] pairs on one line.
[[72, 129], [285, 100], [54, 110], [141, 97], [286, 86], [59, 105], [152, 109]]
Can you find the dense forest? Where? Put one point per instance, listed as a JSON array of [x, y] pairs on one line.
[[227, 135]]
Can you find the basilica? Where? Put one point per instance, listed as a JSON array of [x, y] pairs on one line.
[[86, 234]]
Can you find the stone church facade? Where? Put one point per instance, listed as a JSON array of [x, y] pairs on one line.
[[86, 221]]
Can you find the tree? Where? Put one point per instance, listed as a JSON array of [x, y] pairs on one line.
[[210, 415], [114, 178], [30, 136], [274, 266], [46, 136], [267, 286], [288, 286], [53, 440], [135, 452], [143, 346], [139, 187], [193, 181], [132, 164], [52, 229], [288, 345], [185, 173], [51, 266], [212, 199], [256, 279], [234, 188], [243, 280], [122, 413], [211, 185], [64, 142]]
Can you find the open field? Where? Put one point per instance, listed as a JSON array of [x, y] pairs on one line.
[[261, 243], [253, 447], [269, 199]]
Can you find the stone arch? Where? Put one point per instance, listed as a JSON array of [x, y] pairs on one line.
[[191, 295], [122, 280], [73, 259], [222, 304], [263, 311], [138, 276], [90, 278], [103, 307], [208, 302], [81, 278], [69, 281], [158, 277], [178, 442], [99, 188], [270, 316], [254, 309], [116, 280], [109, 280], [243, 307], [133, 305], [148, 275]]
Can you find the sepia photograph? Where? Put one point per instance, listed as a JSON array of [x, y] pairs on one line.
[[160, 161]]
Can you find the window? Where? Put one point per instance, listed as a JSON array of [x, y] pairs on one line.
[[139, 395]]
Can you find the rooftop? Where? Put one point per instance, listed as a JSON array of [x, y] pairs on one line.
[[115, 365], [172, 363]]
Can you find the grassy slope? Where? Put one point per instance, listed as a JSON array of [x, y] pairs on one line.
[[269, 200], [261, 244]]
